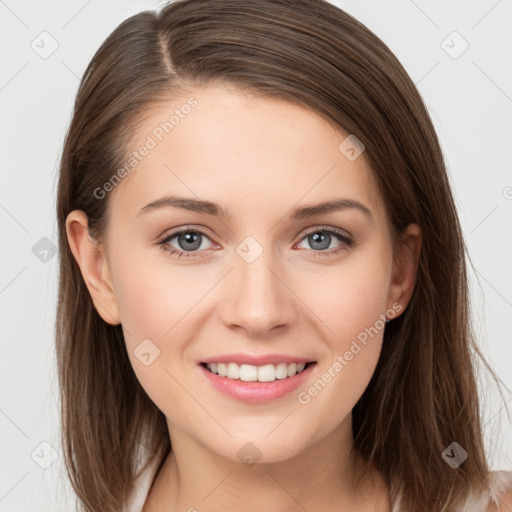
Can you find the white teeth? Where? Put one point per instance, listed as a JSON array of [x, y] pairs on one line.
[[281, 371], [233, 371], [267, 373], [221, 369], [250, 373]]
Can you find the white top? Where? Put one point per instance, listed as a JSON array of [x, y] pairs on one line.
[[501, 481]]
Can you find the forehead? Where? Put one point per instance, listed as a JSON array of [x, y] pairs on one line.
[[223, 145]]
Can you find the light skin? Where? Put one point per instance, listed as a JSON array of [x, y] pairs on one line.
[[260, 159]]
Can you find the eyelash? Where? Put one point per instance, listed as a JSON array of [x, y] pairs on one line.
[[347, 242]]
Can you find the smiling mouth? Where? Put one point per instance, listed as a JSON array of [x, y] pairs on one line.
[[252, 373]]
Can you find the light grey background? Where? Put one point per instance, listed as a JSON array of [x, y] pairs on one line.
[[469, 97]]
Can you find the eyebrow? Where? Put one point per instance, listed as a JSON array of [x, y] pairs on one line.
[[210, 208]]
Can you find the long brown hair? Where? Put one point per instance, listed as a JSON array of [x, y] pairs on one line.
[[423, 394]]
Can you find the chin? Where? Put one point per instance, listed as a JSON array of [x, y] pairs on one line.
[[256, 448]]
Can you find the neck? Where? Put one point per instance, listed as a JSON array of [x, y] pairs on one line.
[[327, 475]]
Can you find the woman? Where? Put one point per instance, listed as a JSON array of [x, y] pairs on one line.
[[270, 308]]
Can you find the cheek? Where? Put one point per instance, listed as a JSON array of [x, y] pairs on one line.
[[352, 305], [154, 302], [358, 324], [350, 300], [154, 298], [159, 303]]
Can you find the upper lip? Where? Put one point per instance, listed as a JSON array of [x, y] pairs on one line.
[[258, 360]]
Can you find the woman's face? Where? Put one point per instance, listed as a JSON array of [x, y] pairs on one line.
[[269, 279]]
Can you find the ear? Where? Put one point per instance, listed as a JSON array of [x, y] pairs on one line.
[[405, 267], [93, 264]]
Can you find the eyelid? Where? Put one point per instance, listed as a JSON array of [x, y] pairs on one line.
[[169, 235], [192, 227], [203, 230], [340, 231], [346, 238]]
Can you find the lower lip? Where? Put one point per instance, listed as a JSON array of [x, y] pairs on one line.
[[257, 392]]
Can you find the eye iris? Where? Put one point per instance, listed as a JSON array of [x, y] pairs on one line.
[[190, 237], [320, 237]]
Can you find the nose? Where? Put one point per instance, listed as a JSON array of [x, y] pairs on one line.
[[257, 297]]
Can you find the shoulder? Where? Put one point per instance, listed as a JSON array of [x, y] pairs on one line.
[[501, 492], [503, 504]]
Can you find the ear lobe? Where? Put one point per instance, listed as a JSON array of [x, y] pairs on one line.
[[405, 266], [90, 256]]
